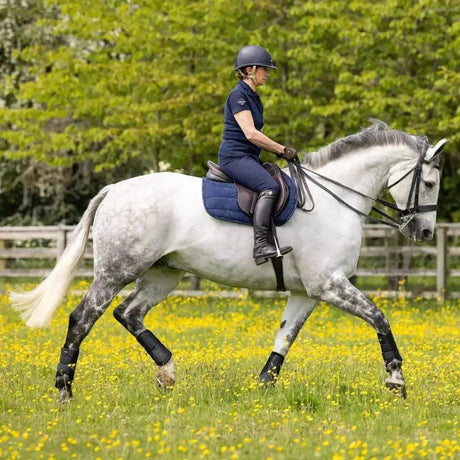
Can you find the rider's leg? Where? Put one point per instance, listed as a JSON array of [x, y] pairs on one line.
[[264, 248], [249, 172]]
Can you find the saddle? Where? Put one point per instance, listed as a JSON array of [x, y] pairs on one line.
[[247, 198]]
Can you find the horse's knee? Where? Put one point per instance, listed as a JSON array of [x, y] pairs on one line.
[[118, 314], [380, 323]]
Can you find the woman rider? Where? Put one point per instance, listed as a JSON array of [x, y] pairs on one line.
[[243, 141]]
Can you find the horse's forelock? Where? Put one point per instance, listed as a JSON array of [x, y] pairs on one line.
[[378, 134]]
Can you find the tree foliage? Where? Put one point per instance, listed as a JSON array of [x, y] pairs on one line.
[[117, 87]]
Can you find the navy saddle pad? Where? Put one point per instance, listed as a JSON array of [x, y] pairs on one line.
[[220, 200]]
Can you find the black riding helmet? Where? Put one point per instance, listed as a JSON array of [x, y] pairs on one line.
[[253, 55]]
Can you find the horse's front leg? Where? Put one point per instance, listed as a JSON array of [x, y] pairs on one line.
[[339, 292], [298, 309]]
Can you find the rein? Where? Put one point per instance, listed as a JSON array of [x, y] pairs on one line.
[[300, 174]]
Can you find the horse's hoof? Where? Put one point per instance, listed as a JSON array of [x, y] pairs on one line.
[[165, 380], [395, 381], [65, 396], [396, 386]]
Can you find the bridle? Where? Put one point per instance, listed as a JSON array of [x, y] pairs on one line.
[[415, 186], [300, 174]]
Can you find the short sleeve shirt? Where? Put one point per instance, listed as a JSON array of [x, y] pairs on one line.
[[234, 143]]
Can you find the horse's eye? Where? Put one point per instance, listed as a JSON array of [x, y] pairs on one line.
[[429, 185]]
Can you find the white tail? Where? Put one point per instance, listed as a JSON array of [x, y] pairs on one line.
[[38, 306]]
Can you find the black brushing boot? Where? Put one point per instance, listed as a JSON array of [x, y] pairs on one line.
[[264, 249]]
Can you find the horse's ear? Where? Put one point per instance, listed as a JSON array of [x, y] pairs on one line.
[[433, 151]]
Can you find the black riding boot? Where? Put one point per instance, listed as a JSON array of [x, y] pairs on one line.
[[264, 248]]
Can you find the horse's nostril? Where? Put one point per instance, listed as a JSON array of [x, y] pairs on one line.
[[427, 234]]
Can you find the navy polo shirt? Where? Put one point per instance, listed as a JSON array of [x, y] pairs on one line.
[[234, 143]]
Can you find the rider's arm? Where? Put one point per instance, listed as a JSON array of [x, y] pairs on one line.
[[246, 123]]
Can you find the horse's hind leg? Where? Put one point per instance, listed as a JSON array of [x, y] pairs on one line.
[[338, 291], [151, 288], [81, 320], [297, 311]]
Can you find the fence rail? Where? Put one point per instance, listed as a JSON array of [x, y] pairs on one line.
[[31, 252]]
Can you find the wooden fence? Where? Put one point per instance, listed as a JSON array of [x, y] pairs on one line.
[[31, 252]]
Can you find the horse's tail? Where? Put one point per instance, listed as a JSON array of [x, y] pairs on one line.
[[39, 305]]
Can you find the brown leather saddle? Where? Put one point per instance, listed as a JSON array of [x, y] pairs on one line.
[[247, 198]]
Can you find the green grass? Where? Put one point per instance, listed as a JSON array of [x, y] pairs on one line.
[[330, 401]]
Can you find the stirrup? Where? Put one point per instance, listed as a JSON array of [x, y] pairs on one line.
[[261, 260]]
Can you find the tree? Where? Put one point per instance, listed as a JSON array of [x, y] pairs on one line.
[[32, 190], [128, 87]]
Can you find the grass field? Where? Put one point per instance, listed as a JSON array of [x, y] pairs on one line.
[[330, 401]]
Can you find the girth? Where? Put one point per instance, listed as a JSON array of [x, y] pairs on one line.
[[247, 198]]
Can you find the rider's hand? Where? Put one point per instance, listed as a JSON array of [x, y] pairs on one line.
[[288, 153]]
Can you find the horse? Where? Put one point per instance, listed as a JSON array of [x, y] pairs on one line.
[[153, 228]]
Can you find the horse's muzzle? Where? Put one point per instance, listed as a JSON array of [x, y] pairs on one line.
[[424, 234]]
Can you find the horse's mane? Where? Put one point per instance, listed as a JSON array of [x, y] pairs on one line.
[[378, 134]]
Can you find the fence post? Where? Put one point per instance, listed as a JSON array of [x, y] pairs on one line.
[[61, 240], [2, 261], [441, 261], [195, 283]]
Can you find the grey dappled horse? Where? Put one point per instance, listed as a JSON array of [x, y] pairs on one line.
[[153, 228]]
